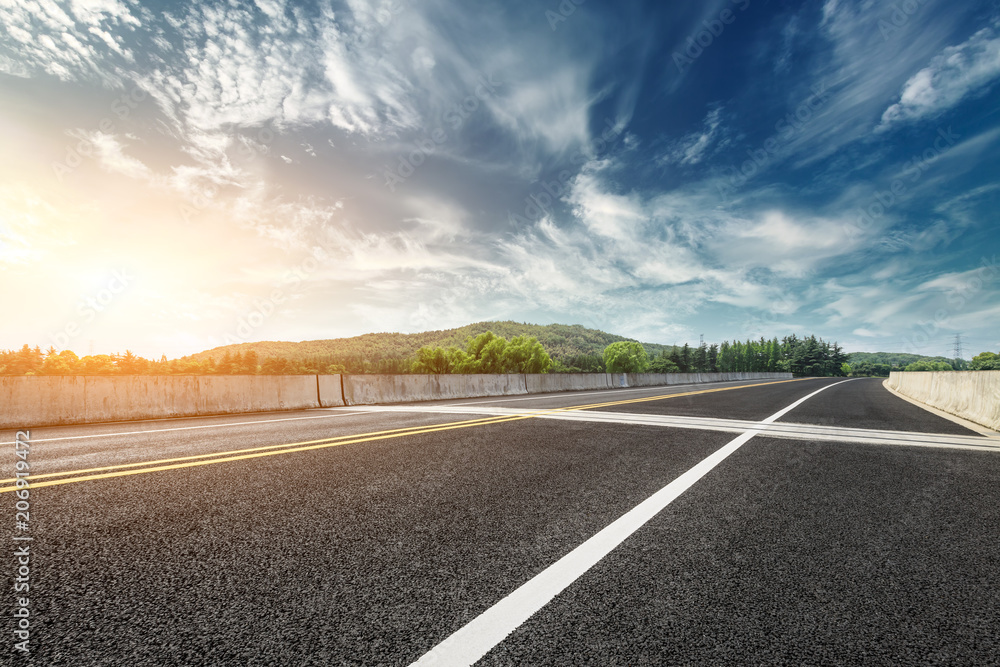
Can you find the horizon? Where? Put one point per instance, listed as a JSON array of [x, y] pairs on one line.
[[390, 333], [183, 177]]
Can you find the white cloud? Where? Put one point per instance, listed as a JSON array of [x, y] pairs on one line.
[[956, 73], [608, 215], [109, 150], [693, 148], [848, 41]]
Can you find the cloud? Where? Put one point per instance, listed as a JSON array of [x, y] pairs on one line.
[[843, 46], [240, 92], [109, 151], [958, 72], [693, 148], [69, 45]]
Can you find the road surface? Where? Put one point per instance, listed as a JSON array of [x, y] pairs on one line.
[[731, 523]]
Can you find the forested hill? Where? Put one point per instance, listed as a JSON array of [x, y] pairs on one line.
[[892, 359], [561, 341]]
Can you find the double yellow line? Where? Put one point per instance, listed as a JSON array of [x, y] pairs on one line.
[[142, 467]]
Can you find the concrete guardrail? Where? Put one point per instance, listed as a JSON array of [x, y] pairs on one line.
[[46, 400], [373, 389], [972, 395]]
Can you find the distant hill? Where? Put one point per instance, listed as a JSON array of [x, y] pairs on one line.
[[561, 341], [900, 359]]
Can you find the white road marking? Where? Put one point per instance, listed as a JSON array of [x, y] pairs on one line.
[[356, 410], [176, 428], [790, 430], [475, 639]]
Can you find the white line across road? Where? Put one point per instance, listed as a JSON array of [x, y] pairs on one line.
[[475, 639], [773, 430]]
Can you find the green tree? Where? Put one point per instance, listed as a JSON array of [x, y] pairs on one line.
[[225, 365], [26, 361], [484, 354], [701, 358], [662, 364], [436, 360], [578, 363], [985, 361], [276, 366], [250, 362], [98, 364], [625, 357], [60, 363], [713, 358], [928, 366], [686, 365], [525, 355], [130, 364]]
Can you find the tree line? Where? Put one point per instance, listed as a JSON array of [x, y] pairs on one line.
[[32, 361], [485, 353], [801, 356], [490, 353]]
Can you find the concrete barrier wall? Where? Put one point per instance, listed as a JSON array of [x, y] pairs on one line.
[[27, 401], [331, 390], [972, 395], [36, 401], [542, 383], [373, 389]]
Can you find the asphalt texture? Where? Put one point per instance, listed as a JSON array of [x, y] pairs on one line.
[[793, 554], [753, 402], [865, 403], [372, 553]]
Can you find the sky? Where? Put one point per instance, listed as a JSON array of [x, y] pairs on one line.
[[177, 176]]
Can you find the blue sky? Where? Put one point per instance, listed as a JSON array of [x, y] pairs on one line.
[[179, 176]]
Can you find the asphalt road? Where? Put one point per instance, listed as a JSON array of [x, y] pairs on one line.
[[375, 548]]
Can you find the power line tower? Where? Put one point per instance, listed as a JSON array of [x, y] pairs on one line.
[[958, 346]]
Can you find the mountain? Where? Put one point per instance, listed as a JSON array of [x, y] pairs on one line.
[[561, 341]]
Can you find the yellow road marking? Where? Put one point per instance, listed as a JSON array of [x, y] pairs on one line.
[[272, 450], [415, 429]]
